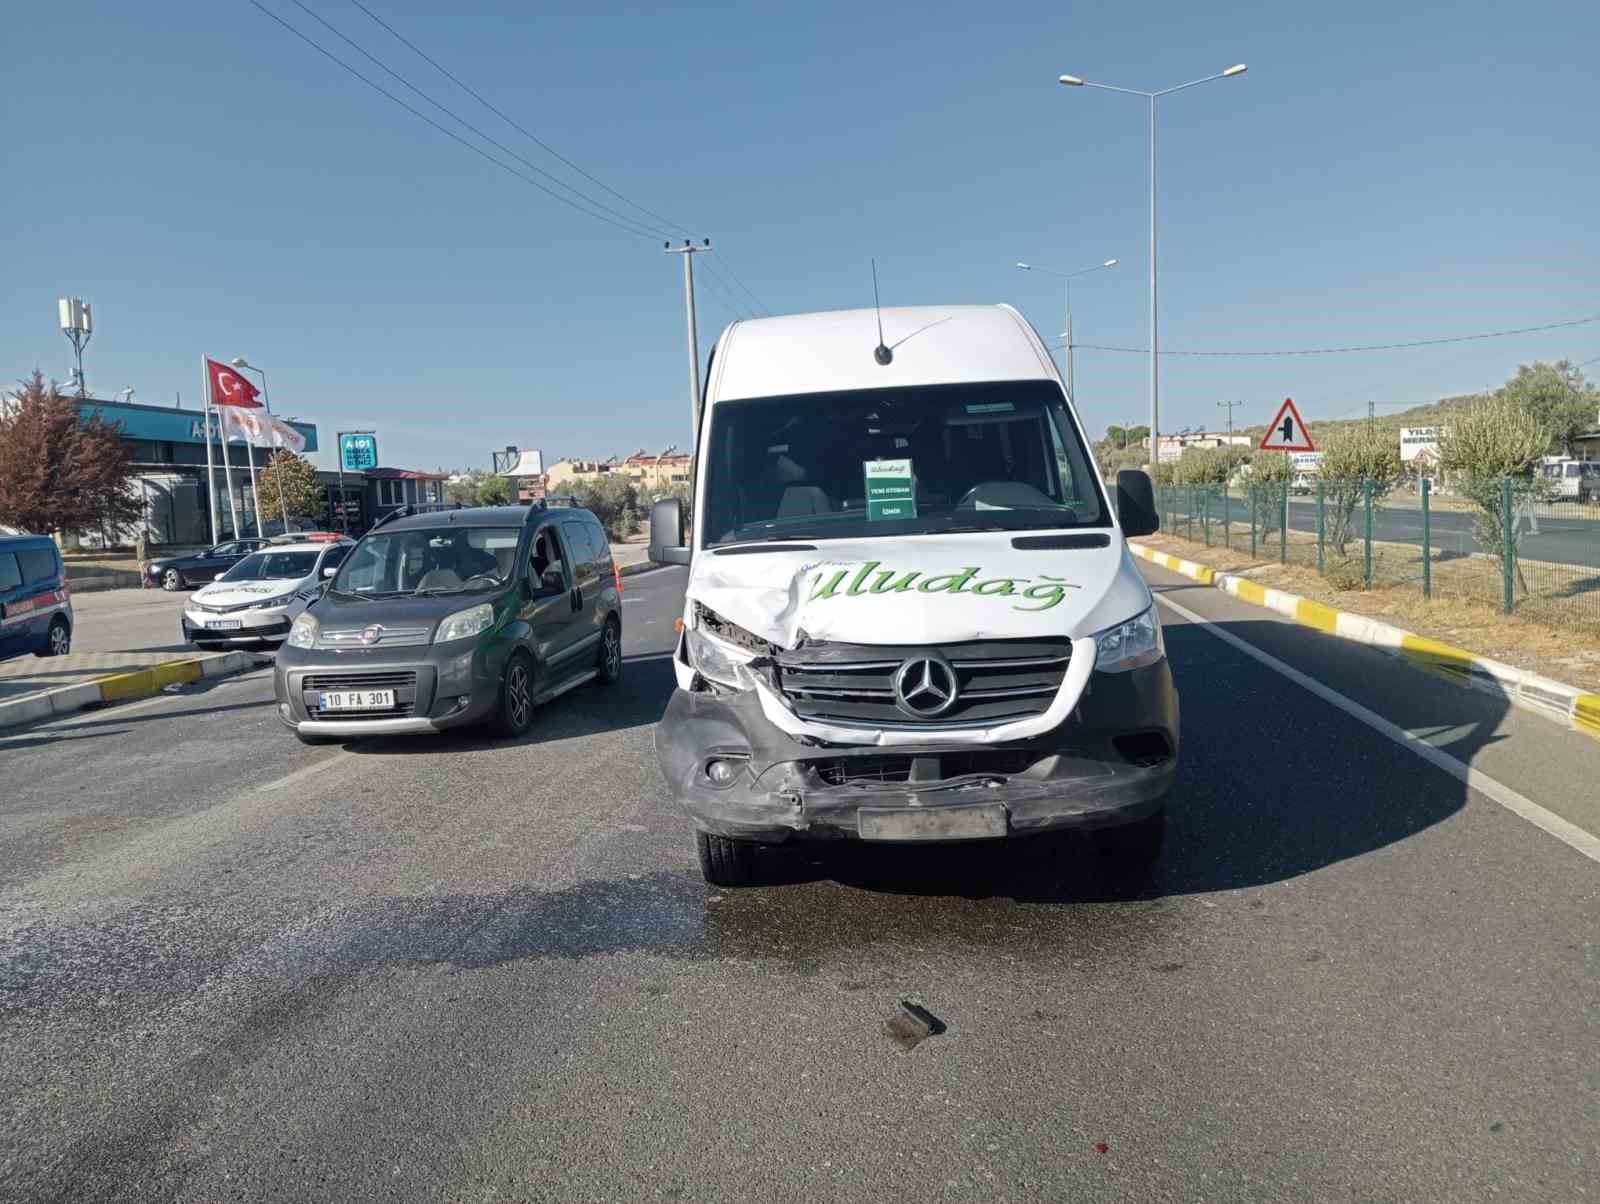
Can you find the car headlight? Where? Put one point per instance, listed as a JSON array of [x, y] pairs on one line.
[[303, 633], [716, 660], [465, 623], [271, 603], [1130, 645]]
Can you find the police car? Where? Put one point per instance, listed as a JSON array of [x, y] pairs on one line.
[[258, 598]]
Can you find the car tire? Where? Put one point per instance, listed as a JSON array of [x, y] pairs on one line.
[[1135, 845], [725, 862], [514, 714], [610, 658], [59, 640], [172, 581]]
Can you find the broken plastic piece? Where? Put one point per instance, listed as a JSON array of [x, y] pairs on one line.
[[912, 1025]]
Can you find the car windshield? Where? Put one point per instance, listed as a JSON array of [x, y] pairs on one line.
[[907, 461], [272, 566], [439, 560]]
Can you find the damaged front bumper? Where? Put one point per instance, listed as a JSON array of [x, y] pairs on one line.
[[1109, 762]]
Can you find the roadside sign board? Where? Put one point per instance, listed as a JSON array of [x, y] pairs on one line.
[[891, 490], [357, 453], [1287, 432], [1306, 462], [1420, 443]]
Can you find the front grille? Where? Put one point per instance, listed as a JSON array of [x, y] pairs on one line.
[[853, 684], [402, 682], [1002, 762], [387, 637]]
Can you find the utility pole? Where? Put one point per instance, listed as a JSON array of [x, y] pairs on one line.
[[1230, 405], [688, 250], [1371, 406]]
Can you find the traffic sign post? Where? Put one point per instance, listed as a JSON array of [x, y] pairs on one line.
[[1287, 432]]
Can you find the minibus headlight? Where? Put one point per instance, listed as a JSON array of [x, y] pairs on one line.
[[1130, 645], [718, 661]]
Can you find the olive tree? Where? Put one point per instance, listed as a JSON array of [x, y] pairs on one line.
[[1268, 480], [1350, 457], [1496, 440]]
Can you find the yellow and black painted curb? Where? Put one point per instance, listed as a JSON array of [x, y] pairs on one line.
[[1565, 704], [123, 687]]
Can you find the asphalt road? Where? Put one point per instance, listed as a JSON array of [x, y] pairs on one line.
[[128, 620], [234, 968]]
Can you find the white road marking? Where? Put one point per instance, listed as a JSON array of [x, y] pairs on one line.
[[308, 771], [1566, 832]]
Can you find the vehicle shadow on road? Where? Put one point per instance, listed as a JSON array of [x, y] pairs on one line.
[[1273, 783], [637, 700]]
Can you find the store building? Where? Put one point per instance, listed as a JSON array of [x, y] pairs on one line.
[[168, 445], [370, 495]]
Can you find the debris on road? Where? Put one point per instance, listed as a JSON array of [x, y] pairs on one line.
[[912, 1025]]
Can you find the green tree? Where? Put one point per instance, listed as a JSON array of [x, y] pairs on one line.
[[1558, 397], [1267, 476], [465, 491], [288, 485], [1351, 455], [58, 473], [613, 498], [1496, 439], [494, 491]]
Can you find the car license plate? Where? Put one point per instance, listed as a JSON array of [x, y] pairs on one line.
[[224, 624], [977, 822], [357, 700]]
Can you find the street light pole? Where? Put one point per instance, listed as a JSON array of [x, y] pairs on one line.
[[1072, 81], [688, 250], [1067, 277], [240, 362]]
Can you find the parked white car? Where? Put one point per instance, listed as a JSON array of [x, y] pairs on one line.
[[258, 599]]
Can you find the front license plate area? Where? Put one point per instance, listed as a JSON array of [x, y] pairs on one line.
[[357, 700], [980, 821], [223, 624]]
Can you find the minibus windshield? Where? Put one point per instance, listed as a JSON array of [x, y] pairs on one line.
[[1001, 456]]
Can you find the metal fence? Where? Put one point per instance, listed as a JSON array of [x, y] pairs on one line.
[[1499, 540]]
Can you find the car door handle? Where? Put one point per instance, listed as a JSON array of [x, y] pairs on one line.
[[577, 598]]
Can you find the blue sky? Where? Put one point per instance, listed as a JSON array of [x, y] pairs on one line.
[[1384, 172]]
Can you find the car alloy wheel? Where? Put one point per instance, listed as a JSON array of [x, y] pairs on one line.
[[519, 695], [60, 638], [611, 652], [172, 580]]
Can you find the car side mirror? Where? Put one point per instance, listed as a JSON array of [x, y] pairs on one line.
[[1136, 503], [218, 577], [667, 542], [552, 585], [330, 570]]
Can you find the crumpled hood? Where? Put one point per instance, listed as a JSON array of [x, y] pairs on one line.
[[928, 589], [237, 593]]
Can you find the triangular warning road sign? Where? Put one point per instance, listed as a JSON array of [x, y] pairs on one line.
[[1287, 432]]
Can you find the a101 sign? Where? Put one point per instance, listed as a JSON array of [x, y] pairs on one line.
[[357, 453]]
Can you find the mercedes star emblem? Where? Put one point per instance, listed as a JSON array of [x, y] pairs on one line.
[[926, 687]]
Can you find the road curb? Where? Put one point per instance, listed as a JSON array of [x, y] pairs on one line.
[[638, 566], [123, 687], [1554, 700]]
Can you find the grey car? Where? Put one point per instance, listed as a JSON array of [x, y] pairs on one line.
[[449, 618]]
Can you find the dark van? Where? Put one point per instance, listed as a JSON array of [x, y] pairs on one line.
[[447, 618], [35, 605]]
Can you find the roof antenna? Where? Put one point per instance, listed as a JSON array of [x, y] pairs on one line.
[[881, 353]]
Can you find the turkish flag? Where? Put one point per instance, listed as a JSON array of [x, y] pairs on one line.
[[228, 388]]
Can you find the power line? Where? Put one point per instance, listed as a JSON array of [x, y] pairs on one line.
[[1464, 338], [639, 227], [678, 227], [449, 133]]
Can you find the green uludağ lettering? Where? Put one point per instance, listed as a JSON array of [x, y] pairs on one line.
[[1048, 593], [947, 583]]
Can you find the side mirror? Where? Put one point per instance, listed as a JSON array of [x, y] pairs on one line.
[[667, 542], [1136, 503], [330, 570], [218, 577]]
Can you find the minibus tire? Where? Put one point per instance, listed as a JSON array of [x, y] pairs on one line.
[[726, 862]]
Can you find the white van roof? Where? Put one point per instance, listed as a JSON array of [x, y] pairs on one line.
[[833, 351]]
